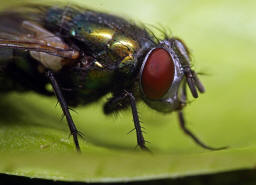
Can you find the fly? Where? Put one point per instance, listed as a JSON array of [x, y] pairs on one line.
[[86, 54]]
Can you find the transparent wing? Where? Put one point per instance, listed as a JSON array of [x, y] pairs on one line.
[[20, 33]]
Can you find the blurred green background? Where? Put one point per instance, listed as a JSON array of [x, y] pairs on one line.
[[221, 36]]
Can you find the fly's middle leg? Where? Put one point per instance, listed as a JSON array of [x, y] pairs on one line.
[[122, 101], [140, 138]]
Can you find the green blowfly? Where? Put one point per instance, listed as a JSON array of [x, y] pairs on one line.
[[86, 54]]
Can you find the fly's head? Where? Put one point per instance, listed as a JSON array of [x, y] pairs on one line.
[[163, 76]]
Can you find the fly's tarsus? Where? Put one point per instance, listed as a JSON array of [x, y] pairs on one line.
[[189, 133]]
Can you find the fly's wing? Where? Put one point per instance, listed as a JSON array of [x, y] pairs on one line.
[[18, 31]]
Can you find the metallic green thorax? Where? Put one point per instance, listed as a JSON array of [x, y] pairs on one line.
[[112, 44]]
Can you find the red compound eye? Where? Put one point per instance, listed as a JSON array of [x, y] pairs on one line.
[[158, 74]]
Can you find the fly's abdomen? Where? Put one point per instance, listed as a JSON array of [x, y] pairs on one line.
[[6, 55], [20, 72]]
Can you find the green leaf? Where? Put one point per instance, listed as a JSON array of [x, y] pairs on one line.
[[35, 142]]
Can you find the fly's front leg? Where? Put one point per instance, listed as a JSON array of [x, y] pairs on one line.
[[183, 123], [64, 108]]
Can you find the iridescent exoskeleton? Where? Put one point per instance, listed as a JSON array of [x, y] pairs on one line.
[[86, 54]]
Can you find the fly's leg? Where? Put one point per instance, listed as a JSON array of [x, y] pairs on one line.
[[116, 103], [189, 133], [183, 123], [64, 108], [140, 138], [122, 101]]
